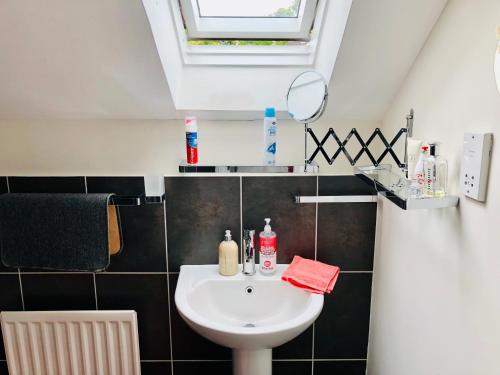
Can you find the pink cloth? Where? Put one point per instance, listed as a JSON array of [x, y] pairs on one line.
[[311, 275]]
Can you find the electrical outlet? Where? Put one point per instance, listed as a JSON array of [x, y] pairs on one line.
[[476, 164]]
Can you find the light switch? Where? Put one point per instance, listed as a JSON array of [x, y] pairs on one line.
[[476, 164]]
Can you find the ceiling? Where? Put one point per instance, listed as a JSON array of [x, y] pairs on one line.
[[97, 59]]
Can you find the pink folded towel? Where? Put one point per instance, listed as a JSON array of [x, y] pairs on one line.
[[310, 275]]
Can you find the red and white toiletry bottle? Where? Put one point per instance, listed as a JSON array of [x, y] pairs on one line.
[[191, 140], [267, 249]]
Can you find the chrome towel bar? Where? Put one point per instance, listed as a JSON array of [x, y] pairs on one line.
[[336, 199]]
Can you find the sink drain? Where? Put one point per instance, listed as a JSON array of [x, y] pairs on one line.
[[249, 290], [249, 325]]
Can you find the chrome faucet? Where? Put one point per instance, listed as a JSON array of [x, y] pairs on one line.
[[248, 252]]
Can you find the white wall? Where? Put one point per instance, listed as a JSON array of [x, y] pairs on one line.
[[134, 147], [436, 291]]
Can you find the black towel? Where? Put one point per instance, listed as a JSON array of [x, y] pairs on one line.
[[65, 232]]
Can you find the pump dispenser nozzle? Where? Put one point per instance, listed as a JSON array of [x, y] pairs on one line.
[[228, 236], [267, 227]]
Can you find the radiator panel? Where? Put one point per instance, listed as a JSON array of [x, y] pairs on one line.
[[71, 342]]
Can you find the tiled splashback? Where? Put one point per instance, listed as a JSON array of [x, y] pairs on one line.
[[187, 230]]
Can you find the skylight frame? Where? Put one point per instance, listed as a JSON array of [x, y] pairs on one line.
[[254, 28], [297, 15]]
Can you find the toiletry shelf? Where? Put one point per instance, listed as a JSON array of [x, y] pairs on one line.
[[395, 187], [200, 168]]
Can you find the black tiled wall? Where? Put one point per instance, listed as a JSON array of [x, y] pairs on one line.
[[158, 239]]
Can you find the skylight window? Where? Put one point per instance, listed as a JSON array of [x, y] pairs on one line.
[[246, 8], [249, 19]]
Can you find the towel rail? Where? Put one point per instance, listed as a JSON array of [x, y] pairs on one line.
[[336, 199]]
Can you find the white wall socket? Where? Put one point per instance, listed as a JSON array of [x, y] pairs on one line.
[[476, 164]]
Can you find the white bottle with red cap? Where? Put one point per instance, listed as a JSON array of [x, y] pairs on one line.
[[267, 249]]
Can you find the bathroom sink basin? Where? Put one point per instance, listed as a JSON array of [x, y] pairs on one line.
[[250, 314]]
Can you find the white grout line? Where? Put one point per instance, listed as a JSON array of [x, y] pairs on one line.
[[316, 223], [55, 273], [120, 273], [274, 360], [315, 258], [135, 273], [168, 289], [202, 360], [8, 184], [95, 292], [312, 352], [340, 360], [241, 221], [21, 287]]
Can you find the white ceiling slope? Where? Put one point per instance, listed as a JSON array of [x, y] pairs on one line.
[[98, 59], [381, 42], [79, 59]]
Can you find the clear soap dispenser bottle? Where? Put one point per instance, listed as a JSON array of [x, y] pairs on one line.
[[228, 256], [441, 171]]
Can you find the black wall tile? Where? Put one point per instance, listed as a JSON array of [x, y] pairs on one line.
[[299, 348], [197, 368], [10, 299], [340, 367], [293, 368], [3, 368], [3, 185], [58, 291], [186, 343], [199, 210], [342, 328], [344, 185], [143, 227], [148, 296], [346, 235], [117, 185], [156, 368], [3, 190], [143, 230], [294, 223], [47, 184]]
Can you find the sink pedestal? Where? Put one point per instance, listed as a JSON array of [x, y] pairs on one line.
[[252, 362]]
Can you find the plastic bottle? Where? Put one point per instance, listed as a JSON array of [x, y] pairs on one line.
[[436, 173], [267, 249], [419, 168], [191, 140], [228, 256], [441, 184], [429, 167], [270, 128]]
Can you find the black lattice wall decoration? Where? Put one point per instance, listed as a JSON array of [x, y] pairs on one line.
[[364, 146]]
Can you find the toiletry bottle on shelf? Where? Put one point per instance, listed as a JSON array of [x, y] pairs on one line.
[[429, 167], [413, 153], [191, 140], [419, 168], [267, 249], [228, 256], [436, 169], [270, 128]]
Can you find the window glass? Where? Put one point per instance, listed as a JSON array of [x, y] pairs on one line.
[[248, 8]]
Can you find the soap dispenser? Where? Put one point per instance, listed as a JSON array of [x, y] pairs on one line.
[[228, 256]]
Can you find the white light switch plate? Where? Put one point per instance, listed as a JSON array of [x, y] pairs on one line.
[[476, 164]]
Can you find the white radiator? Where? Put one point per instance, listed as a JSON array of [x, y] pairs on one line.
[[71, 342]]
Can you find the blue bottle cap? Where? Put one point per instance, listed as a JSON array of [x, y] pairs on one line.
[[270, 112]]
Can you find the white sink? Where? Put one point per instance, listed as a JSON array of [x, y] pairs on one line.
[[250, 314]]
